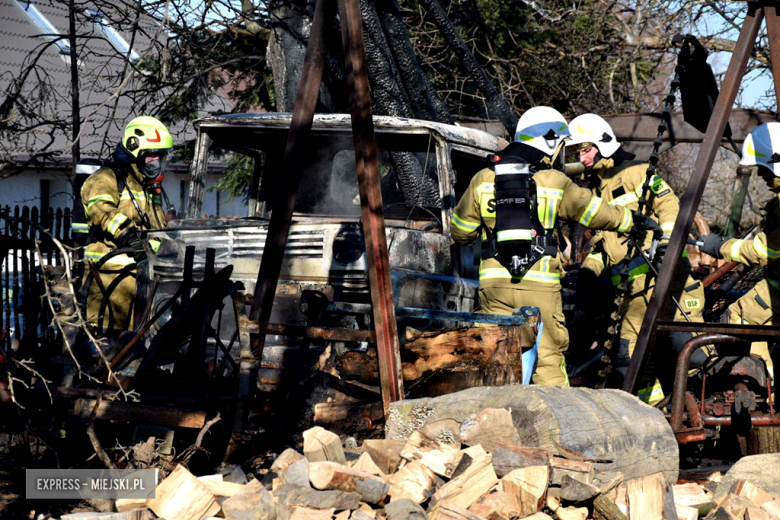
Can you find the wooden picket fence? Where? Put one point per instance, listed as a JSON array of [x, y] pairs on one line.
[[25, 319]]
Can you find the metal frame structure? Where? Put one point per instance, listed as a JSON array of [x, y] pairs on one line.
[[691, 199]]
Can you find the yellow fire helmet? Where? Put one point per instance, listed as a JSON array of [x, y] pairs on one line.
[[762, 148], [144, 134]]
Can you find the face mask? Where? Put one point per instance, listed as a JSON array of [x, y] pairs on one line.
[[152, 166]]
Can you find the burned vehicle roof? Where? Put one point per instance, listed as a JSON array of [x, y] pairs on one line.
[[342, 123]]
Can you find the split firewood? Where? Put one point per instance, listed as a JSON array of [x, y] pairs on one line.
[[253, 501], [572, 513], [621, 499], [404, 509], [508, 458], [330, 475], [182, 496], [442, 459], [528, 486], [736, 505], [693, 495], [578, 470], [489, 428], [359, 514], [449, 511], [296, 473], [650, 498], [552, 502], [446, 431], [606, 509], [575, 491], [414, 481], [745, 489], [755, 513], [496, 505], [686, 512], [385, 453], [471, 483], [312, 498], [722, 514], [538, 516], [220, 488], [286, 458], [129, 504], [366, 510], [367, 464], [306, 513], [773, 508], [606, 486], [321, 445], [342, 515]]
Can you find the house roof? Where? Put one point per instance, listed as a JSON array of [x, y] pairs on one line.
[[45, 102]]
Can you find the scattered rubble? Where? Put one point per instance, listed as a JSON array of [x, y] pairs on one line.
[[422, 478]]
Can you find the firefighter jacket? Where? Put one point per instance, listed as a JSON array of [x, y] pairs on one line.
[[557, 197], [621, 185], [109, 209], [763, 249]]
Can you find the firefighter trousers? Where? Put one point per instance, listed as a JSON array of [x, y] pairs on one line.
[[119, 283], [551, 366]]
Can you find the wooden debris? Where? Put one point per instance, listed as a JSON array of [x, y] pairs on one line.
[[220, 488], [496, 505], [650, 498], [253, 501], [385, 453], [306, 513], [508, 458], [773, 508], [349, 416], [404, 509], [134, 514], [572, 513], [359, 514], [489, 428], [528, 486], [306, 497], [182, 496], [745, 489], [342, 515], [367, 464], [693, 495], [321, 445], [286, 458], [366, 509], [578, 470], [414, 481], [330, 475], [755, 513], [128, 504], [686, 512], [736, 505], [450, 511], [577, 492], [471, 483], [605, 508], [442, 459]]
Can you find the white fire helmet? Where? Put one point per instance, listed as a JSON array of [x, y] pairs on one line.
[[762, 148], [590, 128], [543, 128]]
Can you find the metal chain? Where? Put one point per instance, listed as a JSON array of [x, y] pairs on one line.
[[612, 345]]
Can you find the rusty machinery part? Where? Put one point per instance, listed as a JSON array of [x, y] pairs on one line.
[[610, 346]]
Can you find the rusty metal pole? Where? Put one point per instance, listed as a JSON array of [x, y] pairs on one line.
[[378, 263], [773, 34], [692, 197], [297, 148]]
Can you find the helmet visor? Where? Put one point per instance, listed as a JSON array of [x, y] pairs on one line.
[[153, 164]]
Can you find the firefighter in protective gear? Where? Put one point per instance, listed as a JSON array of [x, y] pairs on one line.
[[761, 305], [538, 145], [120, 200], [618, 179]]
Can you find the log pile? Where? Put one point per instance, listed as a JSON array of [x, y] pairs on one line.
[[422, 477]]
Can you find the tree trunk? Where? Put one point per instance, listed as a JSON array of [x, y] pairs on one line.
[[604, 425]]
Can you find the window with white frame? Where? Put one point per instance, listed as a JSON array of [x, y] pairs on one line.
[[112, 35]]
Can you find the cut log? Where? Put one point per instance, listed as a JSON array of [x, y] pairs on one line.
[[296, 473], [693, 495], [342, 515], [404, 509], [135, 413], [650, 498], [366, 510], [743, 488], [134, 514], [572, 513], [307, 497], [330, 475], [414, 481], [321, 445], [385, 453], [442, 459], [129, 504], [581, 471], [450, 511], [773, 508], [470, 484], [359, 514], [348, 417], [528, 486], [182, 496], [577, 492], [286, 458], [365, 463], [220, 488], [307, 513], [606, 509], [508, 458], [686, 513], [735, 505], [252, 502], [496, 505], [601, 424], [755, 513], [489, 428]]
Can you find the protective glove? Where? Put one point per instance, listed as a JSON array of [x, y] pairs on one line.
[[129, 238], [658, 259], [711, 245], [644, 223]]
